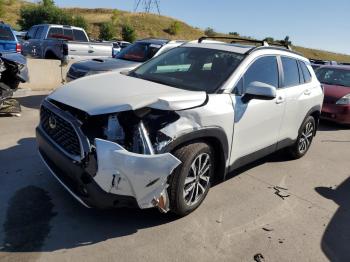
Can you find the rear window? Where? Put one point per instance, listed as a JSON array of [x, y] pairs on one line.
[[139, 52], [6, 34], [290, 71], [79, 35], [68, 33]]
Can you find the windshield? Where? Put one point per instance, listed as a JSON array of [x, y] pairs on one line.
[[334, 76], [6, 34], [195, 69], [139, 52]]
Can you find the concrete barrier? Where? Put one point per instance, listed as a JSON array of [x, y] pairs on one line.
[[45, 74]]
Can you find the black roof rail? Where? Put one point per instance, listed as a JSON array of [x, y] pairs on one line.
[[234, 39], [263, 42]]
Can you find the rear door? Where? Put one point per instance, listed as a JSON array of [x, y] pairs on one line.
[[80, 47], [8, 40], [297, 84], [257, 121]]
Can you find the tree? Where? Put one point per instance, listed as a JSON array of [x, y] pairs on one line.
[[174, 28], [48, 3], [286, 40], [269, 39], [128, 33], [44, 13], [233, 33], [209, 31], [107, 31]]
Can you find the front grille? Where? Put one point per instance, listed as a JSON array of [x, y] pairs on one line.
[[75, 73], [60, 131]]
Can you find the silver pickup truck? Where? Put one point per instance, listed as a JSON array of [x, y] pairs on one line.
[[62, 42]]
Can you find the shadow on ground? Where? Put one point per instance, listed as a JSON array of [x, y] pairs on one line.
[[336, 239], [31, 101], [331, 126]]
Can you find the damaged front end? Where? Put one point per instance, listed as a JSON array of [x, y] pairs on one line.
[[127, 148]]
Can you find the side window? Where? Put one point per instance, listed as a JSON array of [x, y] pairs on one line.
[[79, 36], [290, 71], [31, 32], [305, 71], [55, 32], [68, 33], [39, 32], [264, 69]]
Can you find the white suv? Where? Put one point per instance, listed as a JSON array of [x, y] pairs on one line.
[[158, 135]]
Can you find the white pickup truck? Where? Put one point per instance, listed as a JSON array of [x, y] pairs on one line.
[[62, 42]]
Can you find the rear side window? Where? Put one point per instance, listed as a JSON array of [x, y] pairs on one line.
[[6, 34], [290, 71], [79, 35], [39, 32], [305, 71], [55, 32]]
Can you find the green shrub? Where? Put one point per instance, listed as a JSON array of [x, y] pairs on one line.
[[2, 8], [128, 33], [209, 31], [43, 14], [233, 33], [80, 21], [107, 31], [174, 28]]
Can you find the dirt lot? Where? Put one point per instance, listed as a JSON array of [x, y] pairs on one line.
[[40, 221]]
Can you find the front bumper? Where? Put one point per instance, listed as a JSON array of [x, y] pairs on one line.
[[111, 176], [336, 113], [77, 178]]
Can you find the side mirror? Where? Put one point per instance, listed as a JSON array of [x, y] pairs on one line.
[[260, 90]]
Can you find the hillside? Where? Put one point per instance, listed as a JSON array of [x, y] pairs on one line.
[[149, 25]]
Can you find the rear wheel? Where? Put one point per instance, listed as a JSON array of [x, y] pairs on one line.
[[190, 182], [304, 140]]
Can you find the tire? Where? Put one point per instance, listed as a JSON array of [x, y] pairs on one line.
[[182, 203], [304, 140]]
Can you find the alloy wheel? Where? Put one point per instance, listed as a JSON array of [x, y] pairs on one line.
[[306, 137], [198, 179]]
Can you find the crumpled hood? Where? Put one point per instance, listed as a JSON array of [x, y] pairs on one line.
[[114, 92], [104, 64]]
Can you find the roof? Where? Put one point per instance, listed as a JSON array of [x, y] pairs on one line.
[[347, 67], [157, 41]]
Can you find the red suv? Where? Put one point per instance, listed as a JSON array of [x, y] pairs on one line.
[[336, 82]]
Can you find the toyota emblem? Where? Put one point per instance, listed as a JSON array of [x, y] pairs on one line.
[[52, 122]]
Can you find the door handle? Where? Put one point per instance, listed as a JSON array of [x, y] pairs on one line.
[[279, 100], [91, 51], [307, 92]]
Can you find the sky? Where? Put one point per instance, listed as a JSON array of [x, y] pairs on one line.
[[322, 24]]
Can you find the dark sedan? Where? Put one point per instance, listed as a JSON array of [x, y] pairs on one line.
[[336, 82]]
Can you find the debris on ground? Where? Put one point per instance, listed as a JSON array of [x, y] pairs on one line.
[[259, 258], [280, 191], [268, 229]]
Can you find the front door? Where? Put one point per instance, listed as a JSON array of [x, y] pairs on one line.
[[257, 120]]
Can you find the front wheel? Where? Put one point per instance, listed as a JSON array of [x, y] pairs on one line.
[[190, 182], [304, 140]]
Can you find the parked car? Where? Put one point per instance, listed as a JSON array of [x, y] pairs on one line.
[[118, 45], [336, 83], [62, 42], [159, 135], [13, 71], [129, 58], [8, 40], [317, 63]]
